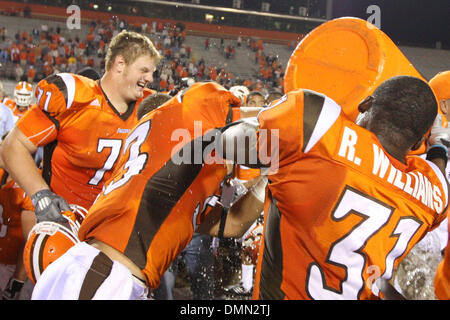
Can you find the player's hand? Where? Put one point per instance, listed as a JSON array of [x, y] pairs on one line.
[[12, 289], [439, 135], [48, 206]]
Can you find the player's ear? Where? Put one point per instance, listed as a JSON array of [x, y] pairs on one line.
[[119, 63], [444, 105], [365, 104]]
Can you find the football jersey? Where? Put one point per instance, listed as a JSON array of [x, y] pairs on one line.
[[167, 182], [82, 134], [10, 103], [340, 211], [13, 201], [442, 278]]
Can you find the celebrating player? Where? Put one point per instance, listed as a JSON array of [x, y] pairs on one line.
[[82, 123], [345, 203], [164, 191]]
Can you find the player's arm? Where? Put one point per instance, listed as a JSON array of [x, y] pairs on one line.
[[235, 221], [16, 154], [238, 143], [38, 127]]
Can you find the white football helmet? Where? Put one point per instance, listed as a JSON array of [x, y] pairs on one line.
[[23, 93], [240, 92]]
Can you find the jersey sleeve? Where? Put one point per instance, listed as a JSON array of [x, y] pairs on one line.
[[57, 93], [37, 127], [280, 130], [293, 125], [212, 101], [54, 95]]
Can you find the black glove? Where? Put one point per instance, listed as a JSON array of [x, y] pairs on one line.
[[49, 206], [12, 290]]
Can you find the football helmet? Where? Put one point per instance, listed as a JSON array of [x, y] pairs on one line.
[[23, 93], [240, 92], [48, 240]]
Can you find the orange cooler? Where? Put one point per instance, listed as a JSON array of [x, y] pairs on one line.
[[346, 59]]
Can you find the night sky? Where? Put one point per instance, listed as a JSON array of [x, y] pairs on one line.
[[405, 21]]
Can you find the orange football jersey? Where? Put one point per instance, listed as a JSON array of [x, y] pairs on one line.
[[167, 181], [13, 201], [10, 103], [340, 212], [442, 278], [82, 133]]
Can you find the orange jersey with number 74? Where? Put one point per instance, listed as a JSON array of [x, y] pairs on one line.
[[340, 211], [82, 134], [167, 182]]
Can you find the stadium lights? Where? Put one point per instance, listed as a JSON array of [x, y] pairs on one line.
[[209, 17]]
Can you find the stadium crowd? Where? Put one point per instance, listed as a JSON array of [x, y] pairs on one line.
[[32, 55]]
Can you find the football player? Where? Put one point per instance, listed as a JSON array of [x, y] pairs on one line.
[[440, 84], [255, 99], [344, 203], [416, 272], [167, 188], [82, 125], [23, 96]]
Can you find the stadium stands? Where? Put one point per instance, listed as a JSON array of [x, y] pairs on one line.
[[241, 63]]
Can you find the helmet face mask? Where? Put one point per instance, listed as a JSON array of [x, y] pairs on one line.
[[23, 94], [48, 240]]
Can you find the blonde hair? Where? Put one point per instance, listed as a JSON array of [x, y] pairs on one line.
[[130, 45]]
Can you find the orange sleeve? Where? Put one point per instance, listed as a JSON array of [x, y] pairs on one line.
[[37, 127], [280, 131], [210, 99], [52, 94]]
